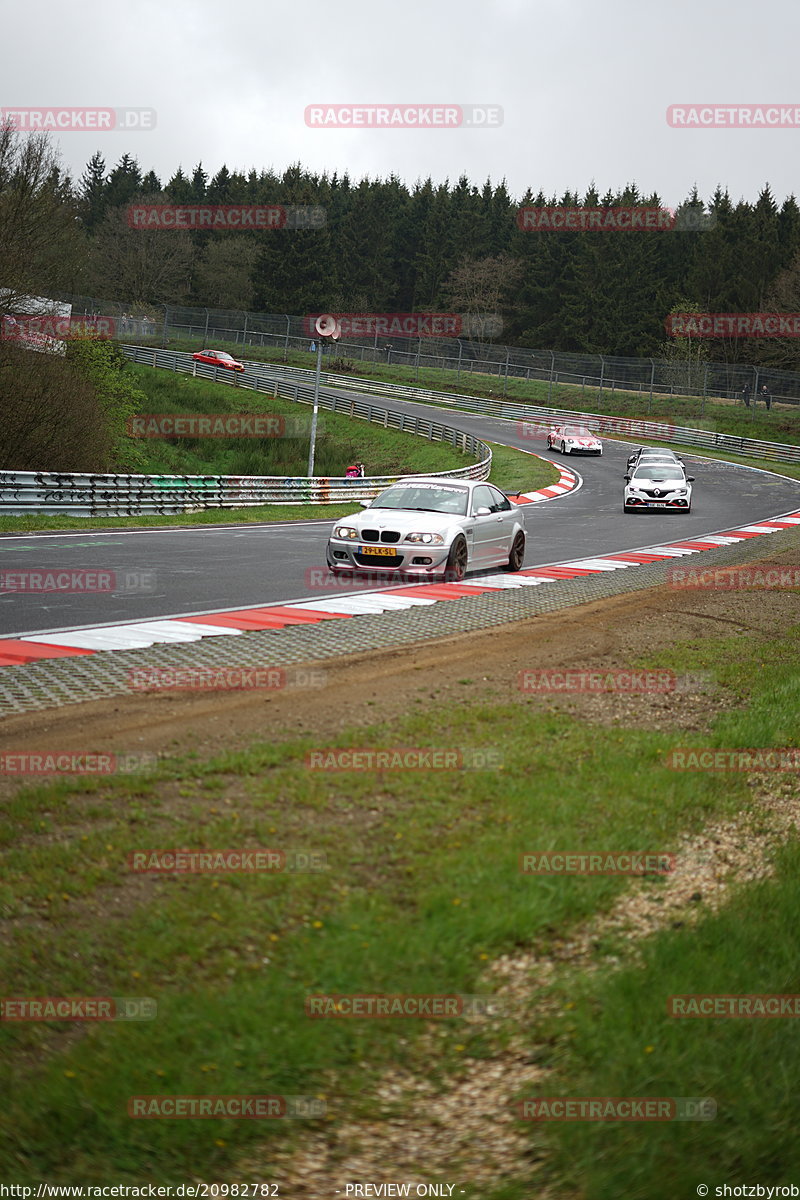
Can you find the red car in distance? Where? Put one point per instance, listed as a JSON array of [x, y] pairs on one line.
[[218, 358]]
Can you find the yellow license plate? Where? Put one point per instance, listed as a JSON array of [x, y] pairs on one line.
[[381, 551]]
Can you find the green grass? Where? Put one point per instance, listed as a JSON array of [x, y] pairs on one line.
[[516, 471], [210, 516], [422, 889], [340, 439], [619, 1041], [780, 424]]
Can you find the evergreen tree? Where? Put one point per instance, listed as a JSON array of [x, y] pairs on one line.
[[124, 182], [789, 230], [501, 216], [365, 249], [219, 189], [434, 259], [179, 188], [199, 185], [294, 271], [468, 225], [390, 247], [93, 192]]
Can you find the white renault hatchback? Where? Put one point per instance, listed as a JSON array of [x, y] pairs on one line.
[[658, 485]]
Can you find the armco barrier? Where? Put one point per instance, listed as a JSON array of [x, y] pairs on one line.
[[243, 332], [622, 427], [133, 495]]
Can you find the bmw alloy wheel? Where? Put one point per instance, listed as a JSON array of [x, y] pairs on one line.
[[457, 560]]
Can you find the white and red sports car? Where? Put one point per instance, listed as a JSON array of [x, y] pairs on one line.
[[574, 439]]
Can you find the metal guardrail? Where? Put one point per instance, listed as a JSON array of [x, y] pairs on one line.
[[76, 494], [648, 377], [534, 414]]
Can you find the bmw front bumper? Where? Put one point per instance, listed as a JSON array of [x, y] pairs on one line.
[[402, 558]]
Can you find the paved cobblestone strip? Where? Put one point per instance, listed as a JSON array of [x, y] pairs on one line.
[[315, 630]]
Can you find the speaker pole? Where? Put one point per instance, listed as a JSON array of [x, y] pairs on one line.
[[316, 409]]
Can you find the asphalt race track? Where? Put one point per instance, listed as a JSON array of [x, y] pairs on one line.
[[179, 571]]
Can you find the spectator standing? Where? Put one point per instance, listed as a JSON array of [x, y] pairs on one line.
[[746, 395], [766, 396]]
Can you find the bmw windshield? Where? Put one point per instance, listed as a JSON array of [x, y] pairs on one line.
[[425, 498]]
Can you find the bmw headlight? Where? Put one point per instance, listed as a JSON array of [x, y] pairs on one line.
[[345, 531], [427, 539]]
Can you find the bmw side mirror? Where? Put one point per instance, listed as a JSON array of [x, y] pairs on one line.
[[690, 478], [365, 503], [483, 512], [627, 478]]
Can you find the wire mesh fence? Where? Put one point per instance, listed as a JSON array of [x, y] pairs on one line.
[[279, 333]]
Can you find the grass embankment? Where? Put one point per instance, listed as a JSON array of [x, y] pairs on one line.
[[423, 889], [512, 470], [340, 439], [720, 414]]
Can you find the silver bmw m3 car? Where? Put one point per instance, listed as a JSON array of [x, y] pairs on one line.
[[430, 528]]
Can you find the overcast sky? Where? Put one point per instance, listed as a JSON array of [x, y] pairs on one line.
[[584, 87]]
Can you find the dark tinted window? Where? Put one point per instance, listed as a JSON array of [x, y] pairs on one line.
[[500, 503]]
